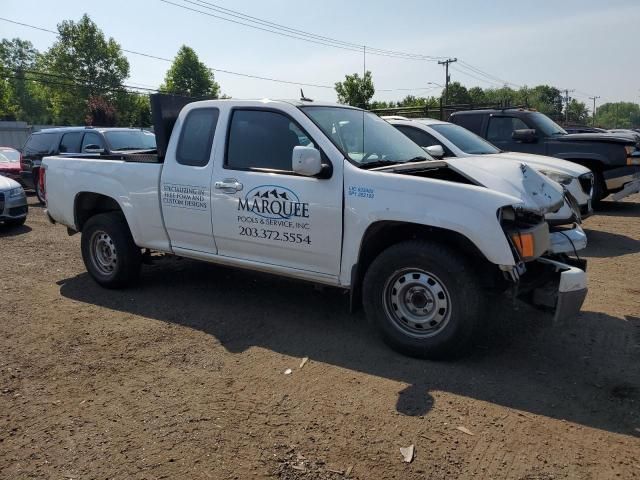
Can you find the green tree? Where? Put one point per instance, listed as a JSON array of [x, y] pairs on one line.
[[82, 64], [18, 61], [577, 112], [476, 95], [457, 95], [618, 115], [355, 90], [189, 76], [546, 99]]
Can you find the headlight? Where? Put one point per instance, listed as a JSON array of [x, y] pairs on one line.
[[630, 149], [561, 178], [16, 192]]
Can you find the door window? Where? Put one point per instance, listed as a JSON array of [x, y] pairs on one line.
[[423, 138], [196, 139], [501, 128], [92, 138], [262, 140], [70, 142]]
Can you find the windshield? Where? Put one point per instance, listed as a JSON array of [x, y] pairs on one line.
[[546, 125], [9, 155], [465, 140], [131, 140], [364, 137]]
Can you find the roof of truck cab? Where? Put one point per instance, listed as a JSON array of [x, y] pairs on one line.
[[295, 103], [87, 129], [492, 110]]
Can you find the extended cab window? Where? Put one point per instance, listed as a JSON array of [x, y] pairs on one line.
[[196, 138], [262, 139], [92, 140], [501, 128], [70, 142]]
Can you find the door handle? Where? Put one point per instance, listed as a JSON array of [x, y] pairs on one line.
[[228, 185]]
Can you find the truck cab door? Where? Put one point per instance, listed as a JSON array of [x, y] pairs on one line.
[[500, 132], [185, 192], [264, 212]]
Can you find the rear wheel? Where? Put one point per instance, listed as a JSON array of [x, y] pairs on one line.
[[423, 298], [110, 255]]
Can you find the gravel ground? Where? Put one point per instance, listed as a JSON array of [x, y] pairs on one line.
[[183, 376]]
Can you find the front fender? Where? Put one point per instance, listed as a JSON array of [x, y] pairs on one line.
[[468, 210]]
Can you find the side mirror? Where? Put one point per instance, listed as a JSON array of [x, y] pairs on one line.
[[436, 151], [92, 148], [525, 135], [306, 161]]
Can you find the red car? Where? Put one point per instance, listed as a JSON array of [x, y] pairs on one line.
[[10, 163]]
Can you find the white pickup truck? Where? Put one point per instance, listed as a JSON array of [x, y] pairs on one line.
[[328, 194]]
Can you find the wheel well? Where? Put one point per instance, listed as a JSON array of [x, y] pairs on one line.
[[381, 235], [88, 204]]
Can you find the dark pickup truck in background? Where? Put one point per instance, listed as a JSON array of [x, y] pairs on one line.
[[613, 158]]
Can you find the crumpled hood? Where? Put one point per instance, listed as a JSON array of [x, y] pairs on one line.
[[7, 183], [538, 193], [542, 162]]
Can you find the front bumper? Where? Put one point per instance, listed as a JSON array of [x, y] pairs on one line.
[[570, 292], [13, 208], [622, 181], [568, 240]]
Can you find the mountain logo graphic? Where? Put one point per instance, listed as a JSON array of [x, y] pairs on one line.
[[273, 202]]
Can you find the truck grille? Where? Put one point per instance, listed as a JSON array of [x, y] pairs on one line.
[[586, 182]]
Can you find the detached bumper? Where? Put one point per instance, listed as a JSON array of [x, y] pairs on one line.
[[565, 291], [629, 189], [622, 181]]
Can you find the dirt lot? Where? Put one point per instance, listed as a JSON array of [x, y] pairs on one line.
[[183, 376]]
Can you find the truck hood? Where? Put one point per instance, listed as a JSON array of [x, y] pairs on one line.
[[595, 137], [542, 162], [537, 193]]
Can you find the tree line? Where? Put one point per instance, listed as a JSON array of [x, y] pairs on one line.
[[81, 80], [359, 91]]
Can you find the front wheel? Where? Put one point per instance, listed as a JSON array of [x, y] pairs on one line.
[[599, 189], [423, 298], [109, 253]]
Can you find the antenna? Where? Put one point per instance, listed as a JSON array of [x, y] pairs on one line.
[[303, 98]]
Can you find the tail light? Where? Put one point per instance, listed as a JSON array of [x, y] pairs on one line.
[[42, 182]]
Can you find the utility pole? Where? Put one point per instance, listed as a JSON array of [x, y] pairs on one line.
[[566, 105], [447, 77], [594, 98]]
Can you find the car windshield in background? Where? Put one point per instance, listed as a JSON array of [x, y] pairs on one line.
[[364, 137], [9, 155], [121, 140], [548, 126], [465, 140]]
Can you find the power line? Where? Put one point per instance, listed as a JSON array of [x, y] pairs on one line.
[[279, 29], [495, 84], [478, 71]]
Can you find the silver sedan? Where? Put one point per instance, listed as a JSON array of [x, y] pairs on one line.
[[13, 202]]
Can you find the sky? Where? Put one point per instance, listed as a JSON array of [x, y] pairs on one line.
[[590, 47]]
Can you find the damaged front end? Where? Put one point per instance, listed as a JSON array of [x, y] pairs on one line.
[[544, 278]]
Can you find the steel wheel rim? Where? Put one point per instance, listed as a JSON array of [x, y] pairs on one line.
[[417, 302], [103, 253]]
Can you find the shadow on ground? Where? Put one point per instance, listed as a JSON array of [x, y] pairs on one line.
[[585, 373], [13, 231], [606, 244], [618, 209]]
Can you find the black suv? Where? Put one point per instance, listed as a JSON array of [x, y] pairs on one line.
[[613, 158], [73, 141]]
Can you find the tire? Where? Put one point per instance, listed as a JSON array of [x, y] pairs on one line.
[[37, 187], [16, 222], [423, 298], [599, 189], [110, 256]]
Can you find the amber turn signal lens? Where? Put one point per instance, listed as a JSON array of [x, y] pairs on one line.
[[524, 244]]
